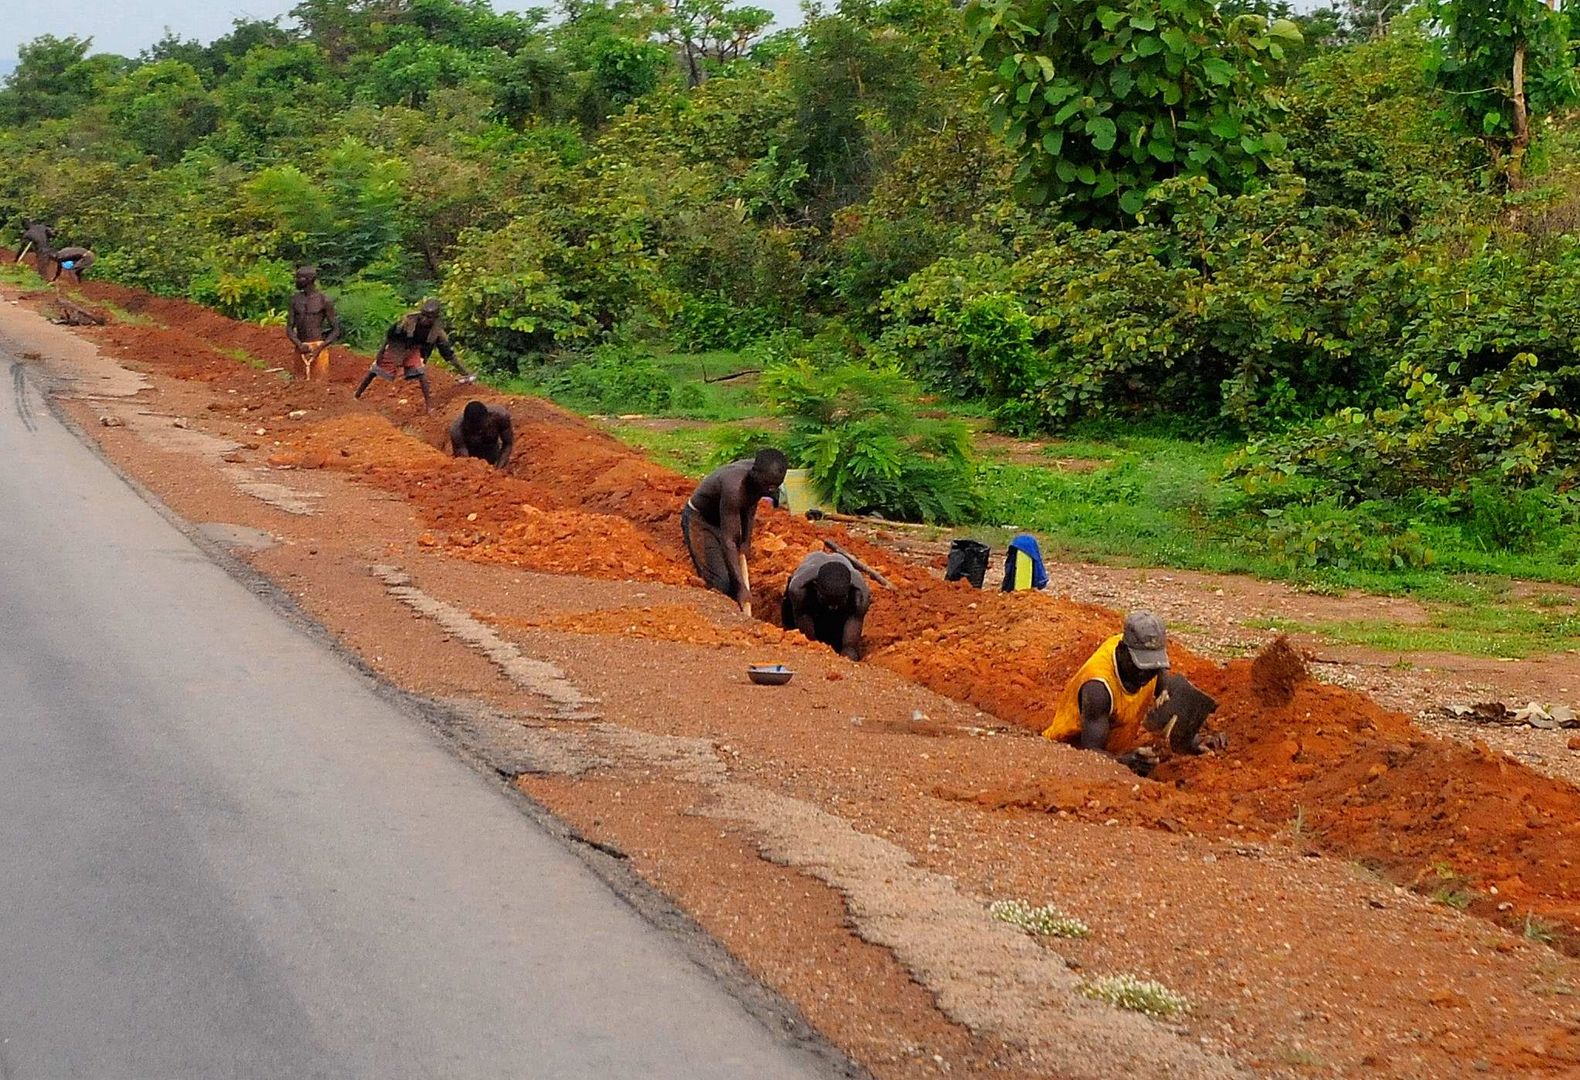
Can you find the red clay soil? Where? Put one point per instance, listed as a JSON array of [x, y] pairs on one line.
[[1359, 780]]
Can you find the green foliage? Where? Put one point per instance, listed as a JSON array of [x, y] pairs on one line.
[[367, 309], [253, 293], [163, 109], [1475, 61], [1104, 98], [854, 426], [1514, 519], [618, 380]]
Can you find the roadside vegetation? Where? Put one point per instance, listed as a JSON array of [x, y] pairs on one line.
[[1283, 293]]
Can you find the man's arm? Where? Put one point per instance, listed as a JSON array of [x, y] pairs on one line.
[[447, 350], [458, 440], [1097, 709], [290, 326], [333, 318], [507, 442], [850, 643], [730, 527]]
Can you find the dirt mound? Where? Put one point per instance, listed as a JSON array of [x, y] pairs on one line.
[[1277, 671], [474, 511]]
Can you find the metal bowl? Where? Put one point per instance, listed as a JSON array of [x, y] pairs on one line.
[[769, 674]]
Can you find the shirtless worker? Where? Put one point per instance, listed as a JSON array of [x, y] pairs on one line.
[[39, 237], [717, 521], [407, 346], [1114, 693], [483, 431], [827, 600], [312, 324]]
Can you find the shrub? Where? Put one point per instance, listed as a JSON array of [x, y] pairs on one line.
[[1503, 518], [262, 289], [1139, 995], [855, 427], [619, 380], [367, 309]]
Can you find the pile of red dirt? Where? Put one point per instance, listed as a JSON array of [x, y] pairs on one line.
[[1277, 671], [479, 514], [1361, 781]]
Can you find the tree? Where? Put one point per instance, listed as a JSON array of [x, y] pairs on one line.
[[54, 77], [162, 109], [1504, 64], [705, 33], [1102, 99]]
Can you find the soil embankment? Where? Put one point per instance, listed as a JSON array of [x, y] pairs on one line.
[[1324, 765]]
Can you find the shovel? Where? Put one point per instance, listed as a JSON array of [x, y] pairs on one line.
[[1179, 712]]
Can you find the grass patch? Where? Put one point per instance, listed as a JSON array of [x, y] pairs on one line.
[[1539, 931], [19, 274], [1493, 627], [124, 317], [1043, 921], [686, 450], [1138, 995]]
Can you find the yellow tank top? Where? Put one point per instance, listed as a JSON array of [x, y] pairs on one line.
[[1129, 709]]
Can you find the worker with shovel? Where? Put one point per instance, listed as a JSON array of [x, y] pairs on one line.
[[1126, 687], [312, 325], [39, 237], [407, 346], [717, 521], [827, 600]]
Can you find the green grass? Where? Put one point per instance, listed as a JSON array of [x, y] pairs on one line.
[[20, 274], [1492, 627]]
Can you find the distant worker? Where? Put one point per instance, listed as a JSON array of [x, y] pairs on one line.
[[717, 521], [39, 237], [483, 431], [1023, 567], [312, 325], [69, 260], [407, 346], [827, 600]]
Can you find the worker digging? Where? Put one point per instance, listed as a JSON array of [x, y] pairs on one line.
[[406, 348], [717, 521], [312, 325], [1116, 693], [827, 600], [483, 431]]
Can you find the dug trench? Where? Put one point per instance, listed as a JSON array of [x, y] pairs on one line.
[[1320, 766]]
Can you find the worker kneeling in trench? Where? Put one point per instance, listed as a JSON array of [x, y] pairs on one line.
[[827, 600], [1125, 687]]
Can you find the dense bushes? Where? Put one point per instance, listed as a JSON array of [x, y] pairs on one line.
[[1309, 255]]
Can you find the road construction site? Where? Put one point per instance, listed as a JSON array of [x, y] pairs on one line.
[[1338, 892]]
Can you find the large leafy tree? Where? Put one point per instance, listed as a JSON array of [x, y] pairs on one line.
[[1103, 99], [1504, 63]]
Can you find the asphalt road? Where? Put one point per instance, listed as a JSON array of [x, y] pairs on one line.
[[222, 854]]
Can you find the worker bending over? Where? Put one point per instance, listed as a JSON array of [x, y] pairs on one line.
[[407, 346], [312, 325], [1125, 688], [69, 260], [483, 431], [827, 600], [717, 521], [1116, 688]]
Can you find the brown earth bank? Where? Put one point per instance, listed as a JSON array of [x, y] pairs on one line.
[[1309, 769]]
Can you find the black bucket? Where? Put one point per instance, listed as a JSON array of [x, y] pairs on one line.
[[967, 559]]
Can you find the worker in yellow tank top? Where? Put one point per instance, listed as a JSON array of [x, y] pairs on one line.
[[1113, 691]]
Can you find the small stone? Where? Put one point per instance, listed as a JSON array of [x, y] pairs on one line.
[[1574, 743], [178, 423], [261, 431], [112, 421], [296, 414]]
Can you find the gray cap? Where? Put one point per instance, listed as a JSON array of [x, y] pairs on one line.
[[1147, 641]]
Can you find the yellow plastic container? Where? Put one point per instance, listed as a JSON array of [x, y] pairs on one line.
[[800, 496]]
